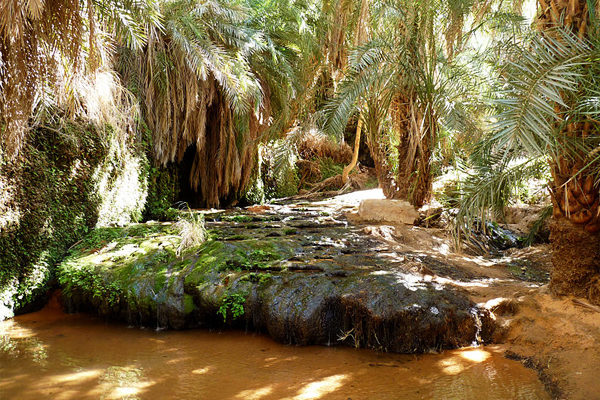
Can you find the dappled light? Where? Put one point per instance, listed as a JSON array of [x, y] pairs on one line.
[[130, 363], [403, 195], [318, 389], [475, 355], [255, 394]]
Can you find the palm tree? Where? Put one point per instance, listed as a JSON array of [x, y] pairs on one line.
[[549, 113], [403, 81], [575, 231], [44, 41], [215, 80]]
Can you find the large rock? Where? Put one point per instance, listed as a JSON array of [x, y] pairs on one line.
[[390, 211], [325, 284]]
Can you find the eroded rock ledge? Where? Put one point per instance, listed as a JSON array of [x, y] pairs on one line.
[[302, 275]]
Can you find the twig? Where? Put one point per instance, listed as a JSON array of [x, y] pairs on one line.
[[582, 303]]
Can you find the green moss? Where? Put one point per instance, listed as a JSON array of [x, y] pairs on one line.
[[255, 193], [527, 271], [137, 266], [163, 183], [111, 262], [54, 203], [237, 237], [188, 304], [237, 218], [75, 177], [256, 277]]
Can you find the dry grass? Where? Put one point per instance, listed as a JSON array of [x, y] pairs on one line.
[[192, 231], [314, 145]]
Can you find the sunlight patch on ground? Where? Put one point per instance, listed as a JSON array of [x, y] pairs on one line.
[[123, 382], [255, 394], [415, 281], [354, 198], [455, 364], [10, 329], [451, 366], [271, 361], [318, 389], [475, 355], [201, 371], [75, 377]]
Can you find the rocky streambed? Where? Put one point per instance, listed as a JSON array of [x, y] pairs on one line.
[[299, 272]]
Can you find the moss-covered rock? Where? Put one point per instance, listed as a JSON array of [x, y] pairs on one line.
[[326, 286], [70, 179]]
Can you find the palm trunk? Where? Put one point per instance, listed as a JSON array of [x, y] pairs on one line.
[[348, 168], [575, 229], [360, 36], [385, 178], [413, 181]]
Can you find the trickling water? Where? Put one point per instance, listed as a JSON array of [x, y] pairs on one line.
[[50, 355], [478, 326]]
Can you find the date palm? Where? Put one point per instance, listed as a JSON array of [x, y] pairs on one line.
[[42, 41], [549, 113], [574, 186], [405, 85]]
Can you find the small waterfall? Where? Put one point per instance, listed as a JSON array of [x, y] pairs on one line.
[[474, 311]]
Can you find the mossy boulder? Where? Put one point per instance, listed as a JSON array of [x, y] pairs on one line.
[[265, 283]]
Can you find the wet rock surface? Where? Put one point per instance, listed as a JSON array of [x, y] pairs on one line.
[[300, 272]]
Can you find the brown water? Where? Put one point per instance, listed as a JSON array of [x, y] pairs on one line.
[[51, 355]]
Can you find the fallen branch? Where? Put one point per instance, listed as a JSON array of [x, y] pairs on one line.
[[582, 303]]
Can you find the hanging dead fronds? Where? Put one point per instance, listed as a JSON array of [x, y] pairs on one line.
[[315, 145], [35, 36], [199, 91], [46, 45]]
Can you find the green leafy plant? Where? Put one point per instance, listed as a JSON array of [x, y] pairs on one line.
[[233, 304]]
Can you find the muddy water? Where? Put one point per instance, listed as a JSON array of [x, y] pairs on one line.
[[51, 355]]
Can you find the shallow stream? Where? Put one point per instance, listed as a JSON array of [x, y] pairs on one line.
[[52, 355]]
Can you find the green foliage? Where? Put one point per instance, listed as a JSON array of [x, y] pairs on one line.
[[54, 204], [232, 304], [255, 193], [87, 280], [536, 229], [163, 184], [537, 73], [329, 168], [487, 190], [74, 178], [252, 260], [278, 170], [290, 231], [237, 218]]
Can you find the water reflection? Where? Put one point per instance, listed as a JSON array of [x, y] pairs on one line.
[[50, 355]]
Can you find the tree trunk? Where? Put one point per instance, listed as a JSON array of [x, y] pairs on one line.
[[361, 34], [415, 130], [576, 260], [575, 229], [348, 168]]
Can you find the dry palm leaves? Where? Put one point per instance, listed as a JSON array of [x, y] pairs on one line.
[[45, 44], [31, 33], [199, 91], [314, 145]]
